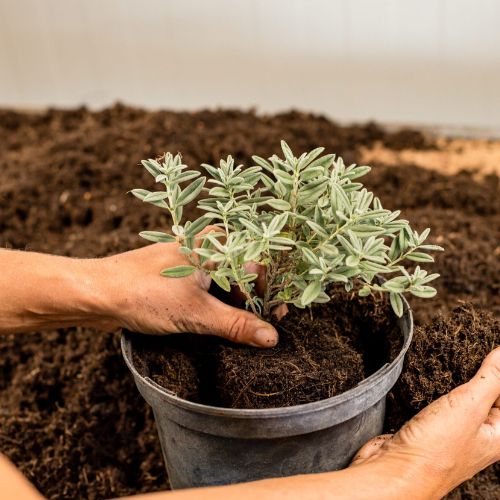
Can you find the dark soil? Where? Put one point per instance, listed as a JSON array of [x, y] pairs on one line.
[[320, 354], [70, 417], [312, 362], [444, 354]]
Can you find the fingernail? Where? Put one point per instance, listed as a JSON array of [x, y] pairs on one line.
[[265, 337]]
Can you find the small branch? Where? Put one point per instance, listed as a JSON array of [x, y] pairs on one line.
[[244, 291]]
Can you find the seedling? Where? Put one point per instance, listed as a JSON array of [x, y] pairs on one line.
[[306, 220]]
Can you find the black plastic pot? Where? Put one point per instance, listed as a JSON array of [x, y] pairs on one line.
[[205, 445]]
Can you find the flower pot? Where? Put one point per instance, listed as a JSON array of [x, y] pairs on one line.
[[206, 445]]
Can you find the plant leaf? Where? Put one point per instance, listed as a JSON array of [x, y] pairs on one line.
[[253, 251], [287, 152], [157, 236], [434, 248], [426, 292], [393, 286], [310, 293], [283, 177], [222, 281], [178, 271], [366, 230], [317, 228], [420, 257], [198, 225], [152, 166], [191, 191], [279, 204], [358, 172], [156, 196], [396, 303], [140, 193], [310, 256], [352, 261]]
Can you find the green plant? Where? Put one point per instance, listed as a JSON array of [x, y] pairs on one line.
[[306, 219]]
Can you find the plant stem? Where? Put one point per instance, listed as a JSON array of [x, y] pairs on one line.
[[270, 276], [403, 256], [241, 286]]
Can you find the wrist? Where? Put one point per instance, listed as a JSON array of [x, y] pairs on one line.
[[406, 477], [74, 294], [96, 292], [46, 291], [111, 288]]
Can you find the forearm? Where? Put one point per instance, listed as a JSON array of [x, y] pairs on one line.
[[379, 480], [39, 291]]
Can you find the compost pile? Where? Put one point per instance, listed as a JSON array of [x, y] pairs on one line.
[[70, 416]]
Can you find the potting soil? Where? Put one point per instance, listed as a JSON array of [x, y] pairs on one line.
[[322, 351]]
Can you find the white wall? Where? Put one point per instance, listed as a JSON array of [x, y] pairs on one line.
[[413, 61]]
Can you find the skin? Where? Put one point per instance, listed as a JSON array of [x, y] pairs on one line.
[[424, 460], [125, 290]]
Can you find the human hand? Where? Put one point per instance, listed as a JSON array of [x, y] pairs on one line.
[[450, 440], [142, 300]]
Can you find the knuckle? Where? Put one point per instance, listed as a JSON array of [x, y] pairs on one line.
[[495, 371], [237, 328], [208, 229], [461, 395], [451, 400]]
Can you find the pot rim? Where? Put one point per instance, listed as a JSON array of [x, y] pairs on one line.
[[355, 392]]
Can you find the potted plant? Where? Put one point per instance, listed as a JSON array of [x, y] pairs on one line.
[[313, 228]]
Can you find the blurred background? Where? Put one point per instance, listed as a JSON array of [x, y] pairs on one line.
[[425, 62]]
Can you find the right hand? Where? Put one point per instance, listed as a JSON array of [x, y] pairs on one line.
[[450, 440]]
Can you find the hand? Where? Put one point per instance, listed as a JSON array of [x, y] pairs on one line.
[[450, 440], [142, 300]]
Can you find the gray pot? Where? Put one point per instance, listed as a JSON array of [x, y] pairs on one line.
[[205, 445]]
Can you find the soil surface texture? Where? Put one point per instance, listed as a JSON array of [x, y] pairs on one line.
[[70, 415], [322, 352]]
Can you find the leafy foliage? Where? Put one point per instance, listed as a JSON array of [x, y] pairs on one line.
[[307, 220]]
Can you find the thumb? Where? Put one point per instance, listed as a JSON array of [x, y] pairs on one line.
[[486, 383], [237, 325]]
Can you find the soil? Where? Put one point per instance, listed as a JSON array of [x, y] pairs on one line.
[[70, 417], [321, 353], [444, 354]]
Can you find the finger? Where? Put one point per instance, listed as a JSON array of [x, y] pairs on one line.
[[198, 242], [209, 229], [237, 297], [494, 419], [260, 281], [202, 279], [237, 325], [485, 385], [370, 448], [280, 311], [490, 431]]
